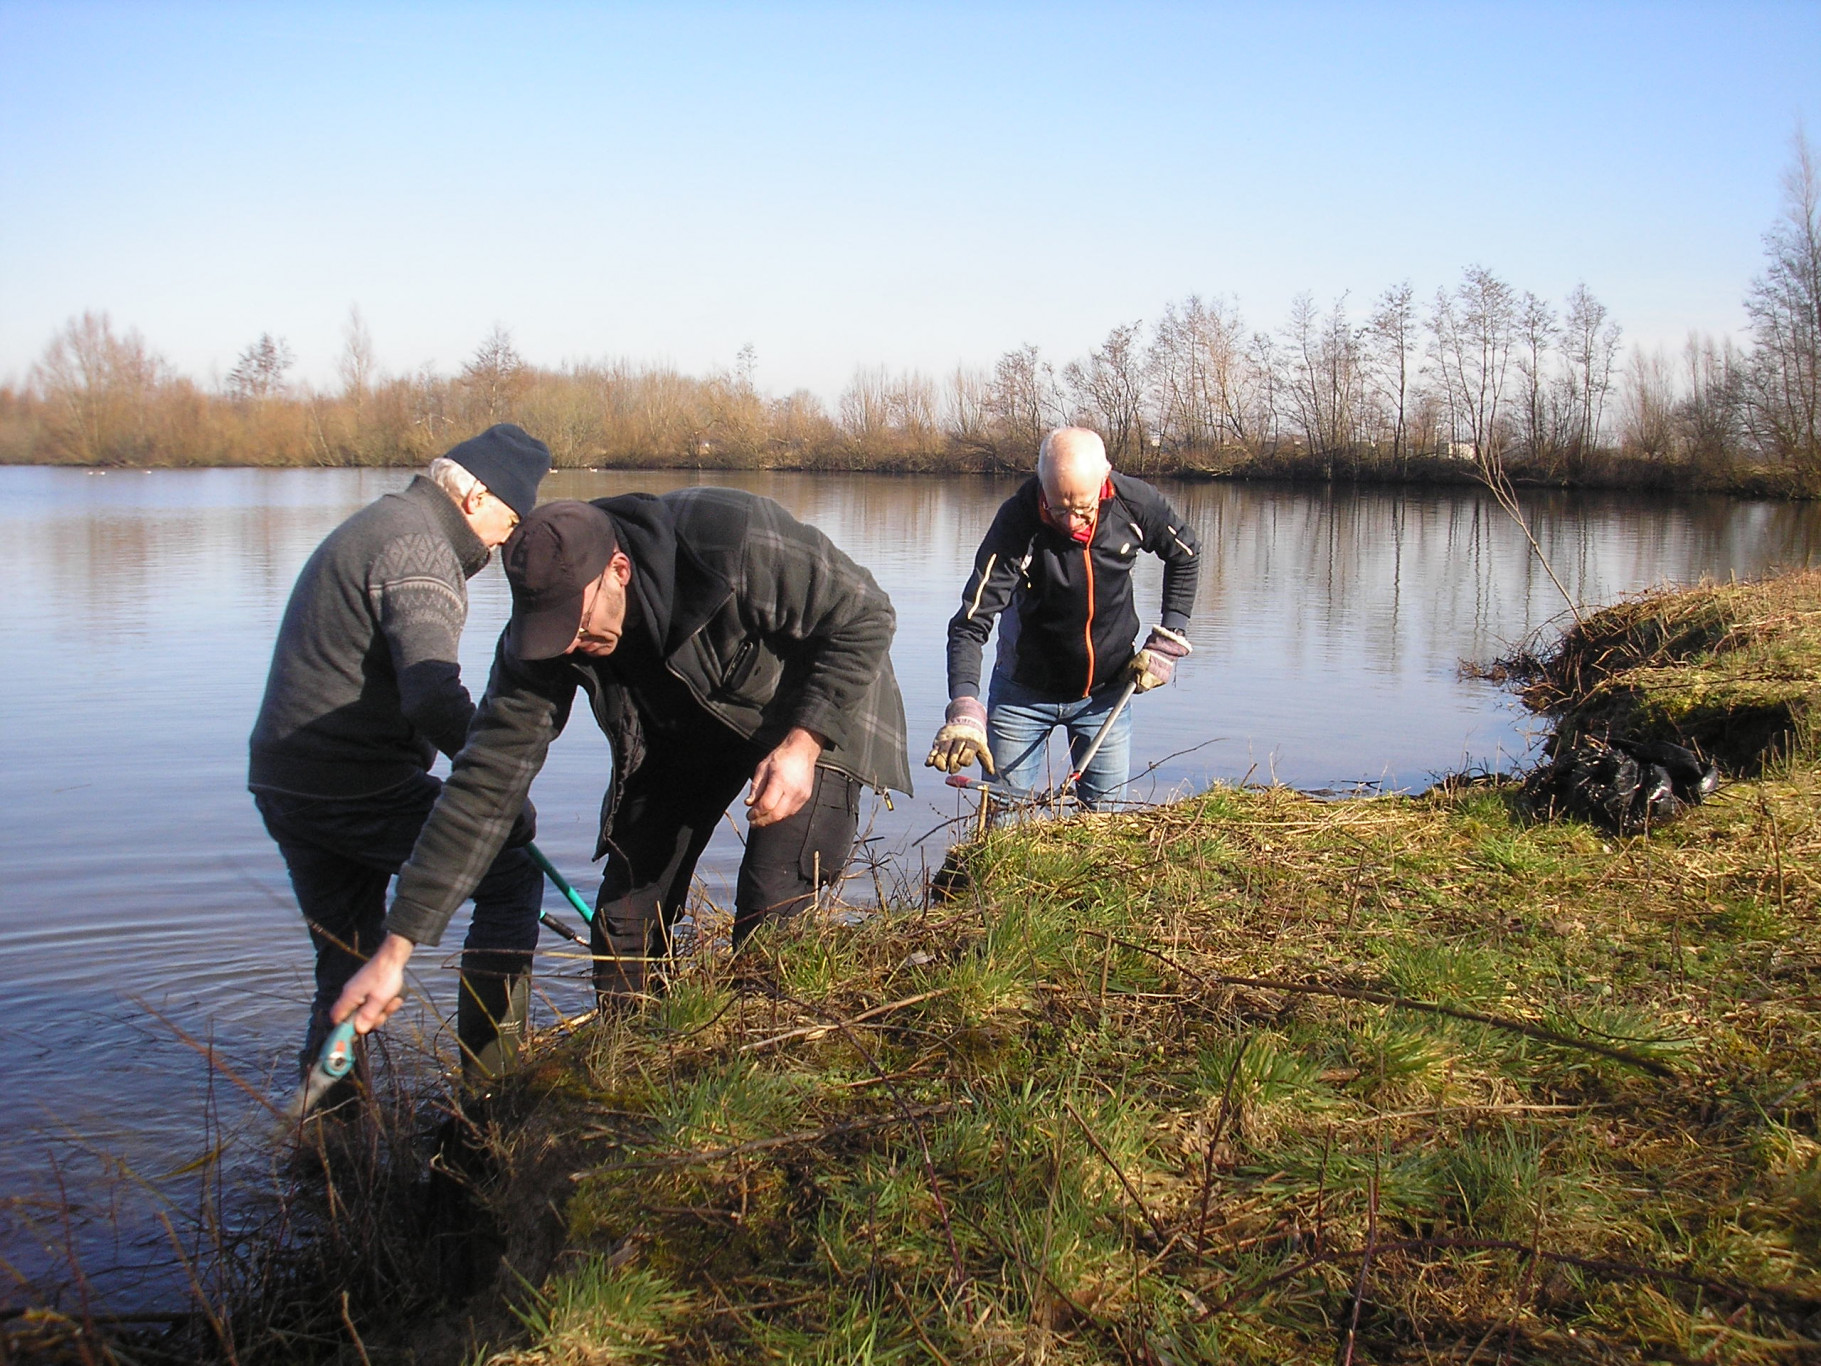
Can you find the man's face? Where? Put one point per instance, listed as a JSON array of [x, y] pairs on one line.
[[490, 516], [1073, 496], [603, 610]]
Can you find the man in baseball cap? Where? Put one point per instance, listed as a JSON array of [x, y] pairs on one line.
[[365, 688], [721, 642]]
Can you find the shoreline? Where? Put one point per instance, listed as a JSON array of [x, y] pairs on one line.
[[1759, 483]]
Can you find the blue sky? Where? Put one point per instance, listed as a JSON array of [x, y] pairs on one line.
[[908, 185]]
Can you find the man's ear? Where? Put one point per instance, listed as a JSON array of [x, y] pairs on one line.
[[471, 500], [620, 567]]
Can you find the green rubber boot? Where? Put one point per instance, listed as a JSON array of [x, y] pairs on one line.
[[490, 1023]]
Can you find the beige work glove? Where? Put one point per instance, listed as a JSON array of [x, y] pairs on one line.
[[962, 738], [1155, 664]]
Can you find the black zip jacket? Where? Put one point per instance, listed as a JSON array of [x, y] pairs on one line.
[[764, 621], [1072, 624]]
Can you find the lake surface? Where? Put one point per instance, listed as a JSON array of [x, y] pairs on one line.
[[141, 901]]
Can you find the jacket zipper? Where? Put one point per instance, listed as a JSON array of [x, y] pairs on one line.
[[1087, 560]]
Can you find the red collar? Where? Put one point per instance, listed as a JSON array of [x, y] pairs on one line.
[[1083, 534]]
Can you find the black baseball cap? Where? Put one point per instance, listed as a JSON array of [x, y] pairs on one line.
[[556, 551]]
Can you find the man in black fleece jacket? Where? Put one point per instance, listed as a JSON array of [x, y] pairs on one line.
[[1057, 562], [718, 640], [365, 688]]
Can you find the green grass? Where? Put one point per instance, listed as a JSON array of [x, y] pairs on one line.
[[1080, 1145]]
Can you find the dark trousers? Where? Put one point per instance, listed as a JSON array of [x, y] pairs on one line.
[[341, 853], [666, 815]]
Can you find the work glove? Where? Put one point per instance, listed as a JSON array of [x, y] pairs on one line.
[[1154, 665], [962, 738], [524, 829]]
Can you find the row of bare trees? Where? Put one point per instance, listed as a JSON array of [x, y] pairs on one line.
[[1476, 375]]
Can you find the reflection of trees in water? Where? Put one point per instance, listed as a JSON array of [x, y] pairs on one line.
[[1432, 574], [1399, 575]]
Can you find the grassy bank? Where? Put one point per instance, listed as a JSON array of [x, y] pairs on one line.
[[1249, 1078]]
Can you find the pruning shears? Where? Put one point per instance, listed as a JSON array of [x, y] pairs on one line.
[[332, 1064]]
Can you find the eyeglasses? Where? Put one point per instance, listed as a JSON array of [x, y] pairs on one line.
[[1085, 513]]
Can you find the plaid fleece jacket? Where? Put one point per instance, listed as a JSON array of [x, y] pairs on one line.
[[764, 619]]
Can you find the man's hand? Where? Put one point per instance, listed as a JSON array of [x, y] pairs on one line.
[[1155, 664], [784, 778], [378, 989], [962, 738]]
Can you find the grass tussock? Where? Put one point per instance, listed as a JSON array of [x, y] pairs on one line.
[[1731, 669]]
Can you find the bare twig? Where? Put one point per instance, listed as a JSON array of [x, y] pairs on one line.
[[1382, 998], [1107, 1157], [759, 1145], [818, 1031], [1365, 1268]]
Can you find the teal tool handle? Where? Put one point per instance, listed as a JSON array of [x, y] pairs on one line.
[[337, 1054], [562, 883]]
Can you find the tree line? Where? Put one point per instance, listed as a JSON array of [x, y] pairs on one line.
[[1477, 375]]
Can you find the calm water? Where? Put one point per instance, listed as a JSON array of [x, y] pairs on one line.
[[140, 899]]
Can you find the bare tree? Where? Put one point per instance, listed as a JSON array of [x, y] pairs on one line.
[[98, 388], [1536, 331], [1212, 383], [1178, 384], [356, 365], [1391, 334], [1472, 338], [260, 371], [1023, 403], [494, 377], [1649, 405], [1785, 309], [1473, 332], [1590, 344], [966, 410], [1109, 389], [1323, 376], [1708, 416]]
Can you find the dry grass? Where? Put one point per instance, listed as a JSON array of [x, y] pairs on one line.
[[1733, 669]]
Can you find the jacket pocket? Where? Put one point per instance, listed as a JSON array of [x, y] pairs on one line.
[[739, 671]]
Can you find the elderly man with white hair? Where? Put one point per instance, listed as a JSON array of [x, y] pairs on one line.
[[1058, 562]]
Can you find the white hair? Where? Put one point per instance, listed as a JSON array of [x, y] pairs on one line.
[[453, 478]]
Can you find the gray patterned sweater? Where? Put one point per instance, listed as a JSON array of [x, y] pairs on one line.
[[763, 619], [365, 684]]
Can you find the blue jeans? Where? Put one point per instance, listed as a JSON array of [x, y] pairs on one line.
[[1018, 725]]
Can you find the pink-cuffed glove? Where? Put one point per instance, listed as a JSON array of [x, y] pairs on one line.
[[962, 738], [1155, 664]]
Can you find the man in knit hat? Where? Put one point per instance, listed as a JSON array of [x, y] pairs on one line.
[[365, 689]]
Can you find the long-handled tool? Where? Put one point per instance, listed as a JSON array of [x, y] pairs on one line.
[[562, 885], [1003, 792], [992, 789], [1100, 736]]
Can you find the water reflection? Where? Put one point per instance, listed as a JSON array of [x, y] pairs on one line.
[[137, 617]]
